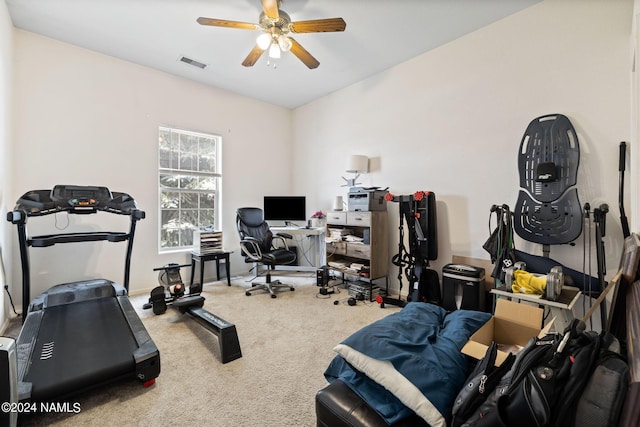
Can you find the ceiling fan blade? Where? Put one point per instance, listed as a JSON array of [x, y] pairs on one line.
[[227, 24], [253, 56], [319, 26], [270, 8], [303, 55]]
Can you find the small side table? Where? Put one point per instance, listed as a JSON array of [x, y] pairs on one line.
[[202, 258]]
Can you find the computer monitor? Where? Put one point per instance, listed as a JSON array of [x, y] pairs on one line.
[[285, 208]]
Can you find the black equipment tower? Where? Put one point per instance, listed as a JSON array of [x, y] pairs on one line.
[[419, 212]]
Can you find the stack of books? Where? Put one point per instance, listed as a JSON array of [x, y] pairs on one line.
[[337, 234], [338, 264], [207, 242]]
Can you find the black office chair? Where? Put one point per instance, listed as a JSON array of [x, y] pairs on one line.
[[258, 245]]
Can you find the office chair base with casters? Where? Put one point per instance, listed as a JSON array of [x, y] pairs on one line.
[[258, 246], [269, 286]]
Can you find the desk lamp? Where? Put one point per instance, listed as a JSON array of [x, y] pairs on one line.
[[357, 164]]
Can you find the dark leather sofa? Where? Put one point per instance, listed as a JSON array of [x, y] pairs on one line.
[[337, 406]]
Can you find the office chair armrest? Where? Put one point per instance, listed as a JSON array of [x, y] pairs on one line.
[[251, 249], [282, 237]]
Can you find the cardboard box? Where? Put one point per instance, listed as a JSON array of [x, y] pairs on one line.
[[512, 326]]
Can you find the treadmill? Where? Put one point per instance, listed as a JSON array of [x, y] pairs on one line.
[[80, 335]]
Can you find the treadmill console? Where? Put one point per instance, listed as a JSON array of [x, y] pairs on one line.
[[81, 200], [75, 199], [83, 205]]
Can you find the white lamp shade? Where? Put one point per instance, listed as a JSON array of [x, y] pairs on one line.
[[358, 164], [264, 41], [274, 51], [285, 43]]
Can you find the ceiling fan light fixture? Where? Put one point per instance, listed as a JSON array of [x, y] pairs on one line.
[[264, 41], [274, 51], [275, 26], [284, 42]]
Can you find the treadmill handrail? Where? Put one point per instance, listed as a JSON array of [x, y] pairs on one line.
[[93, 236], [122, 204], [79, 200], [42, 212], [18, 216]]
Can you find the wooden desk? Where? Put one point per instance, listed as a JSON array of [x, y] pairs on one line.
[[561, 309], [202, 258]]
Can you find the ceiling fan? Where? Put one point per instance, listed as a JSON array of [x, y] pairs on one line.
[[276, 26]]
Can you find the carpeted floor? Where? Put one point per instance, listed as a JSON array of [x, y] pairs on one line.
[[286, 345]]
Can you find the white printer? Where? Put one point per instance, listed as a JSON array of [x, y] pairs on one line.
[[366, 199]]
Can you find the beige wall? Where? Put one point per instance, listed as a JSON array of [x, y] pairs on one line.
[[451, 120], [6, 51]]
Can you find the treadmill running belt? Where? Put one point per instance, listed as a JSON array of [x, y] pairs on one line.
[[80, 345]]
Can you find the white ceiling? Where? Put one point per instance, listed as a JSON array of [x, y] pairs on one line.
[[156, 33]]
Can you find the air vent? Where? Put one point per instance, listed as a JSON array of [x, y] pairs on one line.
[[193, 62]]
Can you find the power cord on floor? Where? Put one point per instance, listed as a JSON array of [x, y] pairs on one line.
[[13, 307], [4, 280]]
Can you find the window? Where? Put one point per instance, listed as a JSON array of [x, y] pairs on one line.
[[189, 182]]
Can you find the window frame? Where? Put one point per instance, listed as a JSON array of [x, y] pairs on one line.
[[188, 175]]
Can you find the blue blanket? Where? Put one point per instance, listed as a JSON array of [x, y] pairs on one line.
[[408, 361]]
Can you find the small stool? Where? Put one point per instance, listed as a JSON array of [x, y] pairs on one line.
[[202, 258]]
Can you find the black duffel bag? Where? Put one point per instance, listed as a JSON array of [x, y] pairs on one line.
[[545, 383]]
